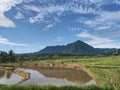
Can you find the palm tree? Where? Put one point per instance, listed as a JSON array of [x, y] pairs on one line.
[[3, 56], [11, 56]]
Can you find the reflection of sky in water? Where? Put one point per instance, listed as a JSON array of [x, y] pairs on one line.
[[45, 76], [38, 78], [9, 77]]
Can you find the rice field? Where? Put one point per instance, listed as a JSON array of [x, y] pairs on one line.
[[105, 70]]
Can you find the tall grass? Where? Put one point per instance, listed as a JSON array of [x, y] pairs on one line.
[[106, 70], [107, 76], [36, 87]]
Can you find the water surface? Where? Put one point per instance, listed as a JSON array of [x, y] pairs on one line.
[[47, 76], [54, 76], [9, 77]]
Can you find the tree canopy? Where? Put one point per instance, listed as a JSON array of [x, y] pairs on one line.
[[7, 56]]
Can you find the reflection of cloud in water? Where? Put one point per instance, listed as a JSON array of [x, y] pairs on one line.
[[91, 82], [8, 77], [45, 76], [38, 78]]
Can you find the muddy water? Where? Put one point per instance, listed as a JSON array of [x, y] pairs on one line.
[[53, 76], [47, 76], [8, 77]]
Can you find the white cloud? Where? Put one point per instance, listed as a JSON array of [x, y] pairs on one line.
[[98, 42], [30, 49], [28, 1], [19, 16], [59, 39], [76, 29], [49, 26], [85, 35], [109, 16], [32, 20], [6, 22], [42, 12], [38, 18], [47, 10], [32, 8], [90, 23], [103, 28], [103, 21], [5, 41], [6, 5], [83, 10]]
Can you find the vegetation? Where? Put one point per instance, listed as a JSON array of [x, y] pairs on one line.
[[104, 69], [7, 56], [79, 48], [75, 48], [36, 87]]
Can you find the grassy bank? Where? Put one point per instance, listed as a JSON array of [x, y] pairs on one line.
[[105, 70], [35, 87]]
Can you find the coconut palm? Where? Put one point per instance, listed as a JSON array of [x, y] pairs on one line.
[[11, 56], [3, 56]]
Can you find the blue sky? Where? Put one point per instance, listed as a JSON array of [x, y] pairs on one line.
[[30, 25]]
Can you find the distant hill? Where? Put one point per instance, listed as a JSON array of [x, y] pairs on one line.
[[75, 48], [107, 51]]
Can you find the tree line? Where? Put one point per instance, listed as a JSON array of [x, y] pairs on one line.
[[7, 56]]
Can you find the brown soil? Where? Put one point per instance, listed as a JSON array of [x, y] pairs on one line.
[[23, 74], [55, 65]]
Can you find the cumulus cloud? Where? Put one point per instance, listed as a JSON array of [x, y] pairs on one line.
[[59, 39], [104, 21], [19, 16], [98, 42], [29, 49], [6, 22], [47, 8], [32, 8], [6, 5], [5, 41], [43, 12], [36, 19], [76, 29], [103, 28], [49, 26]]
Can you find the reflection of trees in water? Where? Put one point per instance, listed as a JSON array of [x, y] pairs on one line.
[[2, 73], [8, 74]]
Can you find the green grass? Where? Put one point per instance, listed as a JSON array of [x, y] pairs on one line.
[[105, 70], [36, 87]]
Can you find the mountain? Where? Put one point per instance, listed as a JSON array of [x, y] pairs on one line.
[[107, 51], [75, 48]]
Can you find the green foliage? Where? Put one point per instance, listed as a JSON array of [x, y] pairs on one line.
[[80, 48], [7, 56], [37, 87], [76, 48], [3, 56], [11, 56], [106, 70]]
